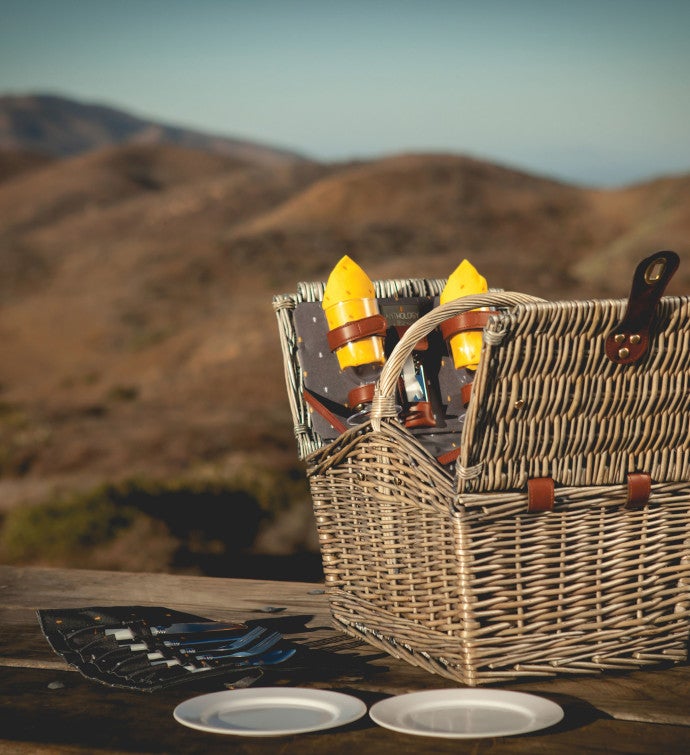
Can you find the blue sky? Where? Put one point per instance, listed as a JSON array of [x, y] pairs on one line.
[[593, 92]]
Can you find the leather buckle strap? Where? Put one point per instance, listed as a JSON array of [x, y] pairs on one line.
[[374, 325], [629, 340]]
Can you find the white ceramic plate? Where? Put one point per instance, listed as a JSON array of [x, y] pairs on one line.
[[269, 711], [466, 713]]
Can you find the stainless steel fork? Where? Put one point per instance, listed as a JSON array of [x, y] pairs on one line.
[[261, 647], [242, 641]]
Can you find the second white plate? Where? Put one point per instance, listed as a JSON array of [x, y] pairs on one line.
[[466, 713], [269, 711]]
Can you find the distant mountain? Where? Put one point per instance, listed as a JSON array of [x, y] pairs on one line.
[[63, 127]]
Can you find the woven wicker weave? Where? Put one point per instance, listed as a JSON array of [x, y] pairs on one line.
[[451, 572]]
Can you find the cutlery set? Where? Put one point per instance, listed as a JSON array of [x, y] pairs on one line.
[[199, 649], [132, 651]]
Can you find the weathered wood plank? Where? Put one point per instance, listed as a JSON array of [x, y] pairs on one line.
[[30, 588]]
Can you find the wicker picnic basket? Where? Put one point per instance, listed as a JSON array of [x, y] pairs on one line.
[[560, 539]]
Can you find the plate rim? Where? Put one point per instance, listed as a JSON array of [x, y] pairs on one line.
[[359, 709], [447, 695]]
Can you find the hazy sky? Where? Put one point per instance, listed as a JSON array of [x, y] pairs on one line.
[[591, 91]]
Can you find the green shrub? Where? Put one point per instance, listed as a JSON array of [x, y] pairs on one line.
[[60, 531], [189, 525]]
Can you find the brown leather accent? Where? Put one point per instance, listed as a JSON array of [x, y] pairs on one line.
[[422, 345], [363, 394], [540, 494], [466, 394], [448, 456], [475, 319], [374, 325], [629, 340], [420, 415], [639, 490], [327, 414]]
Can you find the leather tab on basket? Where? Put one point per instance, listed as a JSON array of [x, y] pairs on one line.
[[639, 490], [420, 415], [374, 325], [540, 494], [629, 340], [466, 394], [363, 394], [475, 319]]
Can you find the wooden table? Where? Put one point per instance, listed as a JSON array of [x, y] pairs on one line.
[[47, 707]]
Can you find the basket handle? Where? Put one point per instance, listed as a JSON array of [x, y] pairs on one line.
[[383, 404]]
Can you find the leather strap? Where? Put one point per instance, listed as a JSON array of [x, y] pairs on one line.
[[420, 415], [466, 394], [326, 413], [629, 340], [475, 319], [448, 456], [374, 325], [421, 345], [639, 490], [363, 394], [540, 494]]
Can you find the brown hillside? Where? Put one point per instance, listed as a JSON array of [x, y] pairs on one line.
[[413, 213], [103, 206], [136, 282], [650, 216], [16, 161], [101, 179]]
